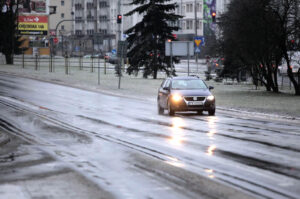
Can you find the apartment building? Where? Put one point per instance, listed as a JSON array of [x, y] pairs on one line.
[[221, 6], [192, 12], [96, 20], [63, 12]]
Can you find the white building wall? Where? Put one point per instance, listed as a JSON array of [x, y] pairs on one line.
[[187, 24], [221, 6]]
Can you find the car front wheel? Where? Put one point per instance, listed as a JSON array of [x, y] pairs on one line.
[[171, 112], [212, 112]]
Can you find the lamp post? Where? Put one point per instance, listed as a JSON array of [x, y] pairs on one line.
[[196, 31], [60, 22]]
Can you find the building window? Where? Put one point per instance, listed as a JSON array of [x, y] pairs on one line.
[[78, 32], [62, 3], [103, 4], [89, 5], [189, 7], [62, 27], [199, 7], [78, 6], [62, 15], [103, 31], [189, 24], [199, 25], [102, 18], [90, 32]]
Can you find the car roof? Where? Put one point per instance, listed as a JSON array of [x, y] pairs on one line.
[[185, 77]]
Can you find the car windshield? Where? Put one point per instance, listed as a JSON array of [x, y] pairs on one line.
[[184, 84]]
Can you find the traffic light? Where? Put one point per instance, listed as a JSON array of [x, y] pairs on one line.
[[213, 16], [119, 19]]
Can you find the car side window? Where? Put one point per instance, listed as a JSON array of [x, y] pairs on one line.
[[167, 84], [163, 83]]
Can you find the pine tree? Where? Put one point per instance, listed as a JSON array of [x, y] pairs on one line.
[[147, 38], [9, 41]]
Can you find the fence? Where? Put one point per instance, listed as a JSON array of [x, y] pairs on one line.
[[66, 65]]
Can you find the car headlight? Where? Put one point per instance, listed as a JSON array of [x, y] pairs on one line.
[[176, 97], [210, 98]]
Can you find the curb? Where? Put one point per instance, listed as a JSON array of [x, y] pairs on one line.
[[260, 114]]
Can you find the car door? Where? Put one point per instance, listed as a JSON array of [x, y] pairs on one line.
[[164, 94]]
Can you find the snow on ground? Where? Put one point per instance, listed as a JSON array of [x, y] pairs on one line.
[[233, 96]]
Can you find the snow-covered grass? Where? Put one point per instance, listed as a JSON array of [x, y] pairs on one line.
[[235, 96]]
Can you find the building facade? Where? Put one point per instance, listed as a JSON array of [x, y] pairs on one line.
[[96, 21], [63, 12], [221, 6], [192, 12]]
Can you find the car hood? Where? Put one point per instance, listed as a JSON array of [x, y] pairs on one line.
[[198, 92]]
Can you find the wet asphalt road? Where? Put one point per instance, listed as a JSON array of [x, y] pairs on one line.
[[119, 143]]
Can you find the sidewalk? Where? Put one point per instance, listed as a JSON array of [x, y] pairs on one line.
[[235, 97]]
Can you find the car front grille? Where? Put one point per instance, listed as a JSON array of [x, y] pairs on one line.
[[196, 98]]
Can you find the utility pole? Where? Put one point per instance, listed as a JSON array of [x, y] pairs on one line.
[[119, 39], [196, 31], [119, 24]]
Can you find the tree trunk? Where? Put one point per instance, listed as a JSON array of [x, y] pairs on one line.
[[291, 76], [155, 73], [9, 58]]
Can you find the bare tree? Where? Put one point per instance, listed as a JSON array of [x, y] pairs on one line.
[[257, 34]]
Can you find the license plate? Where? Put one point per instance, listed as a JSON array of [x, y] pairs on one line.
[[195, 103]]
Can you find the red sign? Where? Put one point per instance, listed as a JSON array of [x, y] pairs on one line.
[[55, 40], [33, 19]]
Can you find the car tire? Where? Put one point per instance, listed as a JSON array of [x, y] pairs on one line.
[[160, 109], [171, 112], [212, 112]]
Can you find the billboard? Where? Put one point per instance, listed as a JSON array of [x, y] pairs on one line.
[[33, 6], [33, 25]]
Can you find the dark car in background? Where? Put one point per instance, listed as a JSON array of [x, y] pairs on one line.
[[182, 94], [111, 58]]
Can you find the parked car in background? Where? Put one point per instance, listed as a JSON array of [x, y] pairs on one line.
[[188, 93], [215, 67], [111, 58], [98, 55]]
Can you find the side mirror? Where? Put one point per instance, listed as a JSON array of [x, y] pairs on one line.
[[166, 88], [210, 87]]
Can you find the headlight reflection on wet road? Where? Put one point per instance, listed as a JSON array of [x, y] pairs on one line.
[[210, 150], [175, 162], [212, 122], [211, 136], [210, 173], [176, 137]]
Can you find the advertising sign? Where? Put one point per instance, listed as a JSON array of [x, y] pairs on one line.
[[33, 6], [33, 25], [179, 48]]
